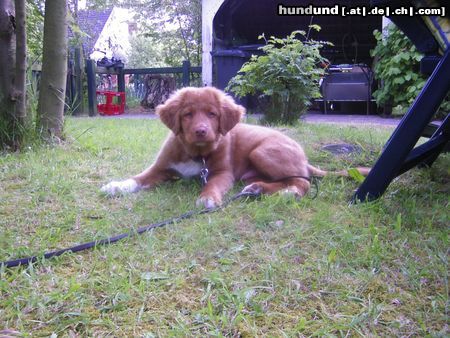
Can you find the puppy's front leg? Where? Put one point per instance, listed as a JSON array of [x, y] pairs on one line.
[[217, 186], [158, 172], [145, 180]]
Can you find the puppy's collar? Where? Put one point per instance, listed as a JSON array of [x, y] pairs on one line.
[[204, 172], [199, 159]]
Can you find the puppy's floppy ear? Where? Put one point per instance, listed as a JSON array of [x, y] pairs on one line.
[[169, 113], [230, 113]]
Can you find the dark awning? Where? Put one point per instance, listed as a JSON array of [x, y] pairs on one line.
[[240, 22]]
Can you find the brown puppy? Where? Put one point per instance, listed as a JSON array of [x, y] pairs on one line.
[[206, 133]]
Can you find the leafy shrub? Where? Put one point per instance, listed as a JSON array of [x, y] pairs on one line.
[[398, 69], [286, 76]]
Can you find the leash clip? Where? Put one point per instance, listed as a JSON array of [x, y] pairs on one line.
[[204, 172]]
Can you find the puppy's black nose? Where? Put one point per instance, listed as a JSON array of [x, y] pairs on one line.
[[201, 132]]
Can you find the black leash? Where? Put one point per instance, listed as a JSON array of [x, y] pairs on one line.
[[110, 240], [139, 231]]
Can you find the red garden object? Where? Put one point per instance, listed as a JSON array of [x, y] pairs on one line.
[[110, 108]]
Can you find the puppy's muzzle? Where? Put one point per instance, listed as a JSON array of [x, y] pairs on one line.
[[201, 132]]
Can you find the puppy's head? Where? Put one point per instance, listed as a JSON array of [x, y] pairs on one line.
[[200, 115]]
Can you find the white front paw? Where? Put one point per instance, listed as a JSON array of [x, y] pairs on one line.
[[120, 187], [206, 202]]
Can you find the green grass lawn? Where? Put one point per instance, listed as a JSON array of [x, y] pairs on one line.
[[268, 267]]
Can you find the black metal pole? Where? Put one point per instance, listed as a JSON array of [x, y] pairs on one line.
[[407, 133], [186, 72], [92, 96]]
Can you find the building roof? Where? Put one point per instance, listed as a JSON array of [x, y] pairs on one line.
[[91, 22]]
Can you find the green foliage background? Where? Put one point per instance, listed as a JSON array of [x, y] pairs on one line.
[[35, 30], [169, 31], [397, 68]]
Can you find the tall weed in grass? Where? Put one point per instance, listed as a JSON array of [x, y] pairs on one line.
[[31, 135], [272, 266]]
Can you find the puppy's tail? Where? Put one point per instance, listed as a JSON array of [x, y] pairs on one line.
[[313, 171]]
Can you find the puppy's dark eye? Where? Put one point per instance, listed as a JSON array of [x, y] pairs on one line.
[[188, 115], [212, 114]]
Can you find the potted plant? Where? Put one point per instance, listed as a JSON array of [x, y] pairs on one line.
[[286, 77]]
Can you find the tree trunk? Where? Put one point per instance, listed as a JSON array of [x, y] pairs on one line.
[[7, 62], [54, 71], [21, 62], [78, 70]]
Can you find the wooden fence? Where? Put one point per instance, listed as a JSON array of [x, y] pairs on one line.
[[92, 69]]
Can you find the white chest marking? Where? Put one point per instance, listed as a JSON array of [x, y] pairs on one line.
[[187, 169]]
